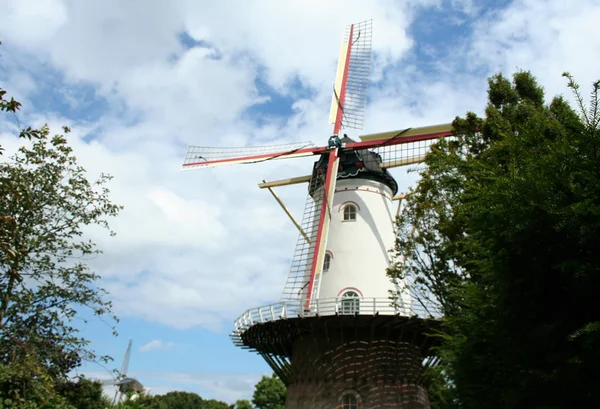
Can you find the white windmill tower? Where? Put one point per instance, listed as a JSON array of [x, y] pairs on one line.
[[123, 383], [336, 338]]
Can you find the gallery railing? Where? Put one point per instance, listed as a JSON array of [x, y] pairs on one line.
[[330, 306]]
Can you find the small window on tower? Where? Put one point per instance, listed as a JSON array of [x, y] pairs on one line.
[[326, 262], [349, 402], [349, 213]]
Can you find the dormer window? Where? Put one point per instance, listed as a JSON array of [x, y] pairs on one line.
[[350, 213]]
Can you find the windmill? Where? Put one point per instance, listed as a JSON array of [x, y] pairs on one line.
[[123, 383], [335, 337]]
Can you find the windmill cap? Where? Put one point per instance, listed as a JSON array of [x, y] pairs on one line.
[[355, 164]]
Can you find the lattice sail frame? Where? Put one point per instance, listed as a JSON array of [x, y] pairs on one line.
[[355, 60], [204, 156], [296, 286], [403, 154], [406, 146]]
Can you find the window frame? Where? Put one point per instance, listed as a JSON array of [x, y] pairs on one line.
[[353, 404], [327, 261], [352, 211], [350, 304]]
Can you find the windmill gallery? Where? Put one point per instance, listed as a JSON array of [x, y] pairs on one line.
[[336, 338]]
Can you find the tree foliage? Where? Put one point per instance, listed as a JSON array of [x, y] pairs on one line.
[[178, 400], [501, 233], [46, 202], [269, 393], [83, 394], [183, 400], [242, 404]]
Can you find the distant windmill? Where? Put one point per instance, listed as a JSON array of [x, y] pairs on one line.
[[122, 382]]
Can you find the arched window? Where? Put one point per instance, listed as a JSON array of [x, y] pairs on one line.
[[350, 303], [349, 401], [326, 261], [349, 213]]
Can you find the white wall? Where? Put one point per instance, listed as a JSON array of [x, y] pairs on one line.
[[360, 249]]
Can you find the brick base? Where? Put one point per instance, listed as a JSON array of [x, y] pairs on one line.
[[380, 372]]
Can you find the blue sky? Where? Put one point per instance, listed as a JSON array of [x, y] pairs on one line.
[[139, 82]]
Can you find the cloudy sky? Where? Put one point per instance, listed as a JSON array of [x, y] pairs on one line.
[[139, 81]]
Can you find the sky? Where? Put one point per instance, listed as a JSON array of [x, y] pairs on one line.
[[139, 81]]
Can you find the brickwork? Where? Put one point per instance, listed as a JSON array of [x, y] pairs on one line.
[[380, 371]]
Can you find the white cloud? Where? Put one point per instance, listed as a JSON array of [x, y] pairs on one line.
[[301, 38], [546, 37], [156, 344], [200, 247], [32, 22], [196, 271]]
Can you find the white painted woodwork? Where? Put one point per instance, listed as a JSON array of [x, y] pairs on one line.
[[359, 249]]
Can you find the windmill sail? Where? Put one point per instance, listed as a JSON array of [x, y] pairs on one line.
[[407, 146], [307, 262], [203, 156], [296, 286], [349, 98], [347, 110]]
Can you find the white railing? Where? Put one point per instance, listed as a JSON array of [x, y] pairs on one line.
[[328, 306]]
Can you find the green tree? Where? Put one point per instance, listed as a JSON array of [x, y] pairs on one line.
[[269, 393], [501, 233], [83, 394], [46, 202], [242, 404], [214, 404], [176, 399], [181, 400]]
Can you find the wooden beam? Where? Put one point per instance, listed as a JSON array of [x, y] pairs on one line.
[[403, 162], [286, 210], [305, 179], [285, 182], [399, 198], [409, 132]]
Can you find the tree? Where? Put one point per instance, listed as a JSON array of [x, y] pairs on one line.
[[269, 393], [242, 404], [181, 400], [46, 201], [176, 399], [83, 394], [501, 233], [214, 404]]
